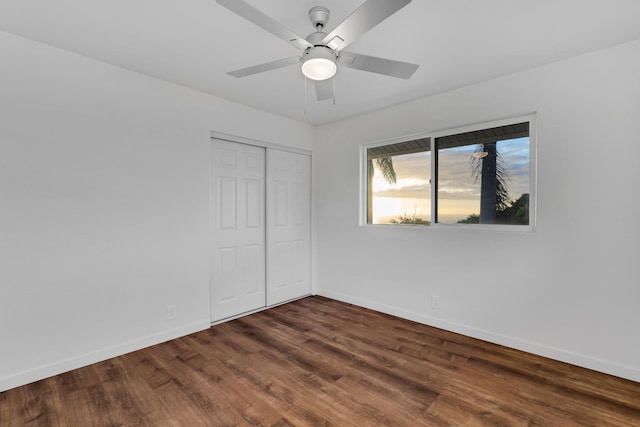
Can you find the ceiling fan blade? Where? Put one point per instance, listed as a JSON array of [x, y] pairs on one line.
[[402, 70], [324, 89], [280, 63], [364, 18], [252, 14]]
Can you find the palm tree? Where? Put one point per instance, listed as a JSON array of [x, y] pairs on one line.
[[386, 167], [488, 166]]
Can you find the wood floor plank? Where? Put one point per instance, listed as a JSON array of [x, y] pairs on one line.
[[321, 362]]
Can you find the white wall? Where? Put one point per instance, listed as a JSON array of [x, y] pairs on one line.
[[570, 290], [104, 199]]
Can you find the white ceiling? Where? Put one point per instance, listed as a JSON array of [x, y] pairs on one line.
[[195, 42]]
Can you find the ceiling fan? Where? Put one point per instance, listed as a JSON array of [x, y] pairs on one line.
[[322, 52]]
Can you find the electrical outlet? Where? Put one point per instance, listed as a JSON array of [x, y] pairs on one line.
[[435, 302], [171, 312]]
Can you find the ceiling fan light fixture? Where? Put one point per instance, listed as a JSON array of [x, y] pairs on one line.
[[319, 63]]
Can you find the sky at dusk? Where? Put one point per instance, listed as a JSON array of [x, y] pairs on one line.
[[459, 195]]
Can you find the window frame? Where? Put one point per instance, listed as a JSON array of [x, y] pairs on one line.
[[433, 136]]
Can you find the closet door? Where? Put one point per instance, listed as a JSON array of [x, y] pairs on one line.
[[238, 229], [288, 226]]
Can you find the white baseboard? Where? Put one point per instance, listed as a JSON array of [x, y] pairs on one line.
[[62, 366], [599, 365]]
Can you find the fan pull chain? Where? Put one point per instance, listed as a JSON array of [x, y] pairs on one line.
[[305, 95], [333, 83]]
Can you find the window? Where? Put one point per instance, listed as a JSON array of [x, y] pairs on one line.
[[398, 183], [481, 176]]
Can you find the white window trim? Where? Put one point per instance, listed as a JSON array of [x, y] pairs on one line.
[[533, 173]]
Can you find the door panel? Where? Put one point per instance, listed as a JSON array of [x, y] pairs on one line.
[[227, 203], [289, 226], [238, 229], [228, 263], [254, 201]]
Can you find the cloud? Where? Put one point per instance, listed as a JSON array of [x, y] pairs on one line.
[[455, 176], [414, 191], [458, 193]]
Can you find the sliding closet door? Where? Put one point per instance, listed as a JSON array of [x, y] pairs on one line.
[[238, 229], [288, 226]]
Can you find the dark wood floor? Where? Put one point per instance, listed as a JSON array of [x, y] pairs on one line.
[[319, 362]]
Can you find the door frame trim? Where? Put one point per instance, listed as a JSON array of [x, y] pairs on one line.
[[258, 143], [258, 310]]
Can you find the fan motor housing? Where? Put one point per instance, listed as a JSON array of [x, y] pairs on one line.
[[316, 38]]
